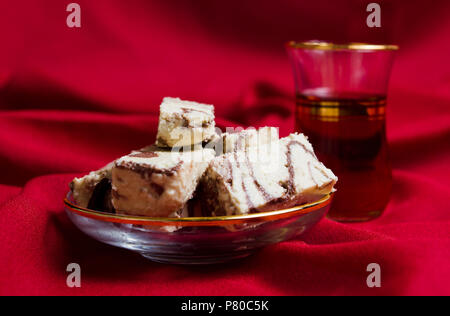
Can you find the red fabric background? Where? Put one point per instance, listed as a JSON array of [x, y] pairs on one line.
[[71, 100]]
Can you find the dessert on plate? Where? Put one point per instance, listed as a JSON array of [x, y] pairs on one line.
[[249, 138], [182, 123], [157, 182], [237, 183], [98, 181], [252, 171]]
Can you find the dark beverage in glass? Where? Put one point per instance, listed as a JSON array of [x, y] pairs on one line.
[[341, 107]]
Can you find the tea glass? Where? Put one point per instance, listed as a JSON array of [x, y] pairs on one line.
[[341, 94]]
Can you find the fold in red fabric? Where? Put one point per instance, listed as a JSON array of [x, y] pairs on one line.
[[72, 100]]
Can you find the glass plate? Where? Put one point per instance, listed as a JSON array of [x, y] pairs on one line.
[[197, 240]]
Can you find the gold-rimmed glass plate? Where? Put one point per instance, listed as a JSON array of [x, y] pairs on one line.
[[197, 240]]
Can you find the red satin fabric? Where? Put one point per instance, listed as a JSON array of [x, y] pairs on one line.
[[72, 100]]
